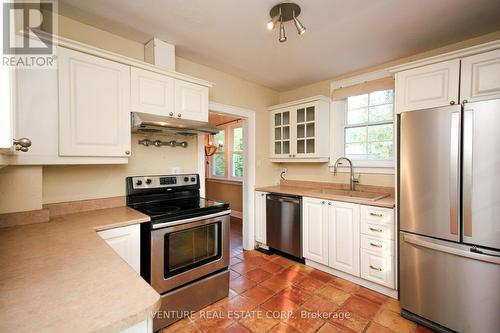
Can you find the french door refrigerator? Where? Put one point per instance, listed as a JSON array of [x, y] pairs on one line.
[[449, 217]]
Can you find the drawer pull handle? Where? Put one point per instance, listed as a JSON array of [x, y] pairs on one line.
[[375, 214], [375, 245], [376, 268], [377, 230]]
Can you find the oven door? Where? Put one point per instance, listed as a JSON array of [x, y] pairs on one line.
[[186, 250]]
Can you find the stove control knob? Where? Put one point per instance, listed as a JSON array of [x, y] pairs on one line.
[[186, 179], [193, 179], [148, 181], [139, 182]]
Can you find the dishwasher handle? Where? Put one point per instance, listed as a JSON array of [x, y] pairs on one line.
[[283, 198]]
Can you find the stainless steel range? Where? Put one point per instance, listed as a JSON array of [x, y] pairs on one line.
[[185, 247]]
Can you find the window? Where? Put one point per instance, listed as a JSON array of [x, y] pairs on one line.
[[227, 161], [369, 126]]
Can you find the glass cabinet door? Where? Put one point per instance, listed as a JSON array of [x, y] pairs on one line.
[[306, 129], [281, 127]]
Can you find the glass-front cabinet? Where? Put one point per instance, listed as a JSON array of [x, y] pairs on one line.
[[300, 131]]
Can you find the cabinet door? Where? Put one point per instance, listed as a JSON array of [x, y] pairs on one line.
[[94, 105], [260, 217], [306, 143], [151, 92], [126, 242], [191, 101], [7, 98], [480, 78], [428, 87], [344, 237], [281, 134], [315, 230]]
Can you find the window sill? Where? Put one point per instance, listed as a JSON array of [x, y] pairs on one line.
[[225, 181], [389, 170]]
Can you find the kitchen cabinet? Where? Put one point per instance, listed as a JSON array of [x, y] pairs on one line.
[[315, 230], [300, 131], [260, 217], [151, 92], [428, 86], [480, 77], [145, 326], [343, 236], [125, 241], [191, 101], [94, 105]]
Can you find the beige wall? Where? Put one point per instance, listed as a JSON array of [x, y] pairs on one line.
[[231, 193]]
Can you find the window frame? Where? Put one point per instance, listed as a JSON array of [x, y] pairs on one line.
[[228, 153], [339, 125]]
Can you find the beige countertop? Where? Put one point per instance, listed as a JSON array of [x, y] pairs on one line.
[[60, 276], [316, 192]]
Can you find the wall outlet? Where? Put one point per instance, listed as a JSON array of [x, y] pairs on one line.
[[176, 170]]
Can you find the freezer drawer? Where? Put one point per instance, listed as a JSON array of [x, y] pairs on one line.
[[447, 284]]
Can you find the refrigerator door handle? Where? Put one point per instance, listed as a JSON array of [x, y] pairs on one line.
[[468, 146], [454, 171], [476, 250], [451, 250]]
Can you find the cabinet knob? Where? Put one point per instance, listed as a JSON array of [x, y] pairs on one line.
[[179, 115], [465, 101], [452, 102], [290, 155], [22, 144], [127, 152], [171, 114], [329, 204], [322, 202]]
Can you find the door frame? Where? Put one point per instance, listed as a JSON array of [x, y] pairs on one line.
[[249, 168]]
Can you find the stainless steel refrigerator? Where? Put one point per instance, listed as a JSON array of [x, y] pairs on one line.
[[449, 217]]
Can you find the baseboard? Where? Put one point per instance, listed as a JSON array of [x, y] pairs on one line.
[[236, 214], [362, 282]]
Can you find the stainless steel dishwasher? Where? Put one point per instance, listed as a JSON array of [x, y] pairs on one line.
[[284, 224]]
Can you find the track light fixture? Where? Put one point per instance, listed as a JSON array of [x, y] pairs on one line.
[[284, 12]]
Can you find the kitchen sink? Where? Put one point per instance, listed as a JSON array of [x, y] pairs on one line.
[[354, 194]]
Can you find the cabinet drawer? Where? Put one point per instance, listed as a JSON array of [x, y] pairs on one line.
[[377, 268], [375, 229], [377, 244], [377, 215]]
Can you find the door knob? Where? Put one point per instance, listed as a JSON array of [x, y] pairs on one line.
[[22, 144]]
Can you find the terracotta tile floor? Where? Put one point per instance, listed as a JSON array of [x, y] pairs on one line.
[[274, 294]]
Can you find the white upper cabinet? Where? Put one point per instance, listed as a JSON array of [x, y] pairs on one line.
[[428, 86], [343, 236], [300, 131], [151, 92], [191, 101], [94, 105], [480, 78], [315, 230]]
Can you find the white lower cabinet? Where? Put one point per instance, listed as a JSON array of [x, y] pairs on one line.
[[350, 238], [315, 230], [260, 217], [377, 267], [145, 326], [343, 237], [126, 242]]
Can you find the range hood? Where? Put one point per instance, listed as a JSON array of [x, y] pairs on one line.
[[144, 123]]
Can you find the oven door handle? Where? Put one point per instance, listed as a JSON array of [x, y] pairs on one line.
[[193, 219]]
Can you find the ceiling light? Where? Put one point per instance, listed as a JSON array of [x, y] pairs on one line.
[[300, 27], [282, 38], [285, 12]]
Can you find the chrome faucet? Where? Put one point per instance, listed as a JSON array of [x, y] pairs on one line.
[[352, 180]]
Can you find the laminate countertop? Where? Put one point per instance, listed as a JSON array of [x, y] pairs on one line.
[[60, 276], [386, 202]]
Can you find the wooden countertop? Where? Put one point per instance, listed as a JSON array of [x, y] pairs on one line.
[[312, 192], [60, 276]]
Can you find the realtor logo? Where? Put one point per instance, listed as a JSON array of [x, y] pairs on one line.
[[28, 29]]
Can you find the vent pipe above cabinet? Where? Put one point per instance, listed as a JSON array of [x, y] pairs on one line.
[[160, 53]]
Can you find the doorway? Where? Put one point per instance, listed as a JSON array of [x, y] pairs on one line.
[[228, 173]]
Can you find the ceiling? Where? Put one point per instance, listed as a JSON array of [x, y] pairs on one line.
[[342, 36]]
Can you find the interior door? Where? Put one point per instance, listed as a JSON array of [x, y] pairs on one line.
[[429, 172], [481, 192]]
